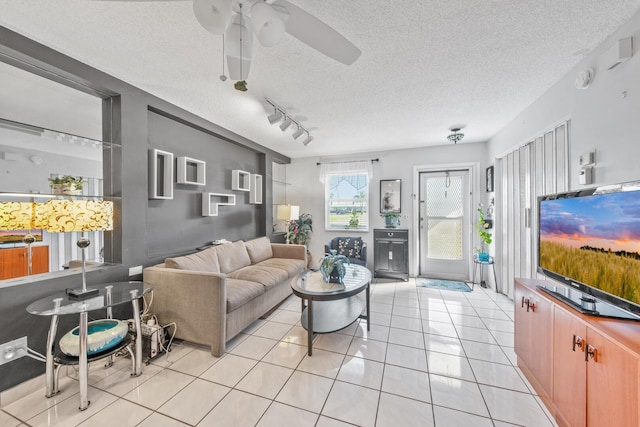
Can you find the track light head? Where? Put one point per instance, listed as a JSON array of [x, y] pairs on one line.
[[297, 134], [308, 140], [285, 124], [275, 117]]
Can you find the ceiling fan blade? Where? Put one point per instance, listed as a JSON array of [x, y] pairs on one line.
[[318, 35], [235, 65], [267, 23], [213, 15], [238, 44]]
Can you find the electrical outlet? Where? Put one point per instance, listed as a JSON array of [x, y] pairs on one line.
[[13, 350], [135, 270]]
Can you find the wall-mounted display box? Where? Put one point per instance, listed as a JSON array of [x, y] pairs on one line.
[[240, 180], [191, 171], [255, 195], [160, 174], [211, 202]]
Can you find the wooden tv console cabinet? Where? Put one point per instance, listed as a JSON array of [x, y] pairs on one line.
[[14, 261], [585, 368]]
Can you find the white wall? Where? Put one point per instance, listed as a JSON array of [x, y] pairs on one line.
[[307, 191], [602, 119]]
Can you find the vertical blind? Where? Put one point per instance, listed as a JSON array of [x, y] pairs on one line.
[[537, 168]]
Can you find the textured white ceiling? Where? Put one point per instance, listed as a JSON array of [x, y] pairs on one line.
[[425, 66]]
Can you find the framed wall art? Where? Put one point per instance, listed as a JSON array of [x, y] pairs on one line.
[[390, 200], [490, 179]]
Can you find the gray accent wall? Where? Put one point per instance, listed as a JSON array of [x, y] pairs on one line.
[[187, 227], [146, 231]]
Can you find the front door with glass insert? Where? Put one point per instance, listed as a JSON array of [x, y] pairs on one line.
[[444, 224]]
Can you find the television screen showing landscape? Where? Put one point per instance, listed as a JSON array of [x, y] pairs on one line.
[[16, 236], [594, 240]]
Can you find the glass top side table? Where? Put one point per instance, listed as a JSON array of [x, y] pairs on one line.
[[109, 295], [331, 306], [479, 264]]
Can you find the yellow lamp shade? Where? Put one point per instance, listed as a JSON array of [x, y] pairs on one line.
[[288, 212], [16, 216], [62, 216]]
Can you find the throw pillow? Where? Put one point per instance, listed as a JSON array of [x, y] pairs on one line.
[[351, 247], [232, 256], [259, 249], [206, 260]]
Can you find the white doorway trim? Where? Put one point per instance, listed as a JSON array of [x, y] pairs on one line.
[[476, 197]]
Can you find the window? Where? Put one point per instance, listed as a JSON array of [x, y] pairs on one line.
[[346, 189], [347, 202]]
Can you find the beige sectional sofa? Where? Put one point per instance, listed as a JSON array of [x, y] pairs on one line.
[[214, 294]]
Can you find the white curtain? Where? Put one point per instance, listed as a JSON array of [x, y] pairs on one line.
[[537, 168], [346, 168]]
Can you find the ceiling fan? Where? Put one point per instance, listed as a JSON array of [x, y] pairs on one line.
[[269, 20]]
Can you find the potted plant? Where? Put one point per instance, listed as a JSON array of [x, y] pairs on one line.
[[485, 236], [67, 184], [299, 232], [391, 219], [354, 221], [300, 229], [333, 267]]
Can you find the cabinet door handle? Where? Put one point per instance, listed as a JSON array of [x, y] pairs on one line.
[[590, 352], [530, 305], [578, 342]]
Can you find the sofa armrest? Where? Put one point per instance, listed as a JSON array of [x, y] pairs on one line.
[[282, 250], [195, 300]]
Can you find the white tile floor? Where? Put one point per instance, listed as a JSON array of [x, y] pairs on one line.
[[431, 358]]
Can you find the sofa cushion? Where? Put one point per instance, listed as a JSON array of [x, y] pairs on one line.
[[206, 260], [351, 247], [240, 292], [267, 276], [232, 256], [259, 249], [291, 266]]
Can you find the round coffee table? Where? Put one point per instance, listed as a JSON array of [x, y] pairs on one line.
[[329, 307]]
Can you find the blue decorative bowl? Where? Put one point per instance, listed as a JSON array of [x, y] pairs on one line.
[[101, 335]]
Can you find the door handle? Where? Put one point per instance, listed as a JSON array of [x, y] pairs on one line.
[[577, 342], [590, 352]]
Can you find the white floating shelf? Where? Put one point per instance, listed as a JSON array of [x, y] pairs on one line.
[[255, 196], [211, 202], [191, 171], [240, 180], [160, 174]]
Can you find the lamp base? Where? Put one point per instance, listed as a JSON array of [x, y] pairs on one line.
[[81, 294]]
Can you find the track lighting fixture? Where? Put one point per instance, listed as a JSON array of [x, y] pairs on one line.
[[297, 134], [285, 124], [308, 140], [280, 113], [275, 117], [455, 137]]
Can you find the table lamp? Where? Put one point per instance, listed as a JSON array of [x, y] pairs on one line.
[[63, 216], [287, 213], [19, 216]]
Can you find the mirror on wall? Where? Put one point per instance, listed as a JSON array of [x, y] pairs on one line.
[[47, 131]]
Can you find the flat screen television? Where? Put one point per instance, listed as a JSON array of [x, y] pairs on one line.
[[589, 240]]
